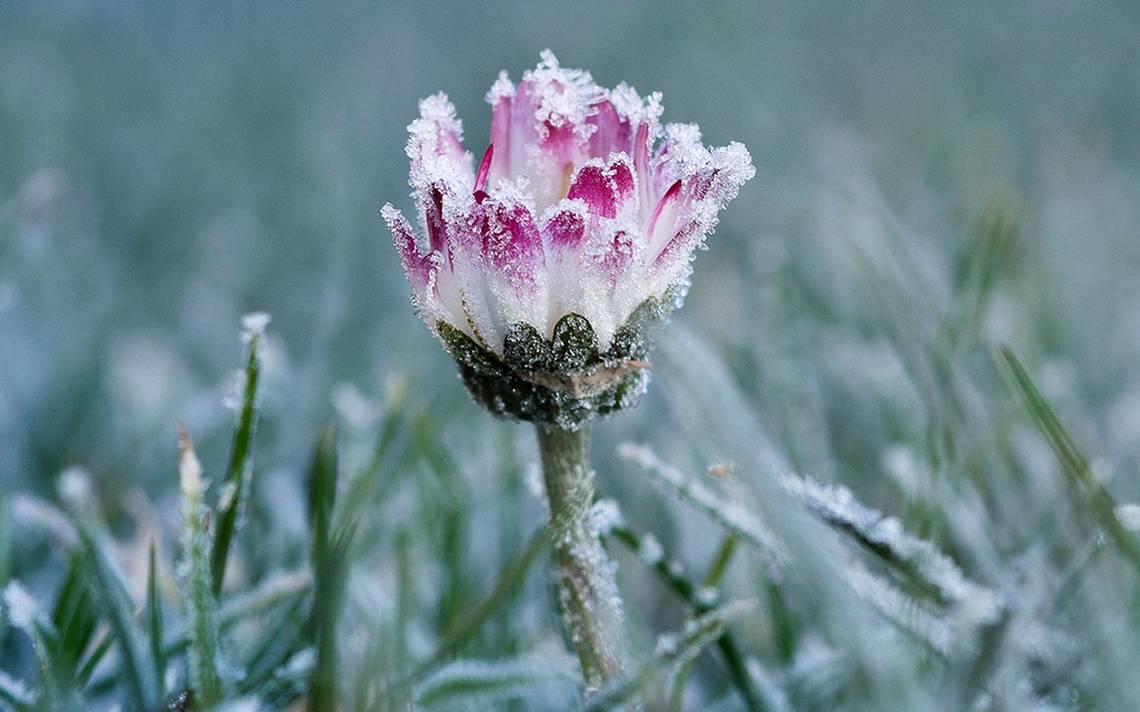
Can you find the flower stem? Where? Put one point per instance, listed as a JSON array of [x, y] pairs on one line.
[[591, 606]]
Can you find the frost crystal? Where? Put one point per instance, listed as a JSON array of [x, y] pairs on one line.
[[1129, 516], [75, 486], [253, 325], [666, 644], [731, 515], [22, 609], [582, 204], [707, 595], [837, 506], [18, 691], [650, 550]]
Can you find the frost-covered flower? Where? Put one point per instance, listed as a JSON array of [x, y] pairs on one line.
[[543, 264]]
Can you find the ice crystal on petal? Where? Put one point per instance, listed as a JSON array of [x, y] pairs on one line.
[[564, 97], [583, 205], [503, 88]]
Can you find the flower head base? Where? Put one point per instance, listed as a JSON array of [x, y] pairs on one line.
[[544, 266]]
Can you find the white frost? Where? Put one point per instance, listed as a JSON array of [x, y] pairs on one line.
[[650, 550], [253, 325]]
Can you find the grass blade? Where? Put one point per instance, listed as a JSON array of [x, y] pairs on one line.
[[1082, 481], [154, 623], [509, 581], [471, 683], [672, 652], [239, 471], [74, 617], [916, 561], [24, 613], [730, 515], [363, 483], [107, 583], [330, 572], [5, 541], [286, 586], [701, 599], [197, 590], [16, 694], [712, 580]]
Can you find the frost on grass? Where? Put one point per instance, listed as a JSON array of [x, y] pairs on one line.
[[650, 550], [1129, 516], [769, 687], [194, 569], [470, 683], [17, 691], [909, 614], [839, 508], [731, 515], [253, 325], [671, 652], [20, 607], [35, 512]]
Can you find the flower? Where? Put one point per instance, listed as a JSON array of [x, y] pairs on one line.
[[545, 263]]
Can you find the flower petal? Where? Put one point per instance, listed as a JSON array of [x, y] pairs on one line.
[[663, 213], [565, 227], [550, 130], [641, 166], [419, 268], [611, 130], [501, 97], [484, 171], [604, 186], [697, 202], [435, 145], [511, 243]]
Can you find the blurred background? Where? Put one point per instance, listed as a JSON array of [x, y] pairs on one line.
[[168, 167]]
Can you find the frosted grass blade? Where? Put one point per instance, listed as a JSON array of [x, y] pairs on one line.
[[239, 471], [1083, 482], [197, 590]]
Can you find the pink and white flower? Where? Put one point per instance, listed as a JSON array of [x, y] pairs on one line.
[[582, 203]]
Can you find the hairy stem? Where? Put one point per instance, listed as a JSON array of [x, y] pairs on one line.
[[590, 603]]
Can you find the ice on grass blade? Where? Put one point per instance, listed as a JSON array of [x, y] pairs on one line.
[[731, 515], [107, 584], [19, 607], [239, 472], [16, 693], [1085, 486], [910, 615], [702, 599], [543, 268], [672, 651], [478, 684], [197, 589], [916, 559], [329, 559]]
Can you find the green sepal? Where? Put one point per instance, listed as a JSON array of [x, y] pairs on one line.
[[524, 347], [574, 345], [565, 381]]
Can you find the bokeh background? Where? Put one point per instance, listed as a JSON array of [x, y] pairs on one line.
[[168, 167]]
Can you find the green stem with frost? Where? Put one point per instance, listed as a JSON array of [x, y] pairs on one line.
[[587, 589]]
